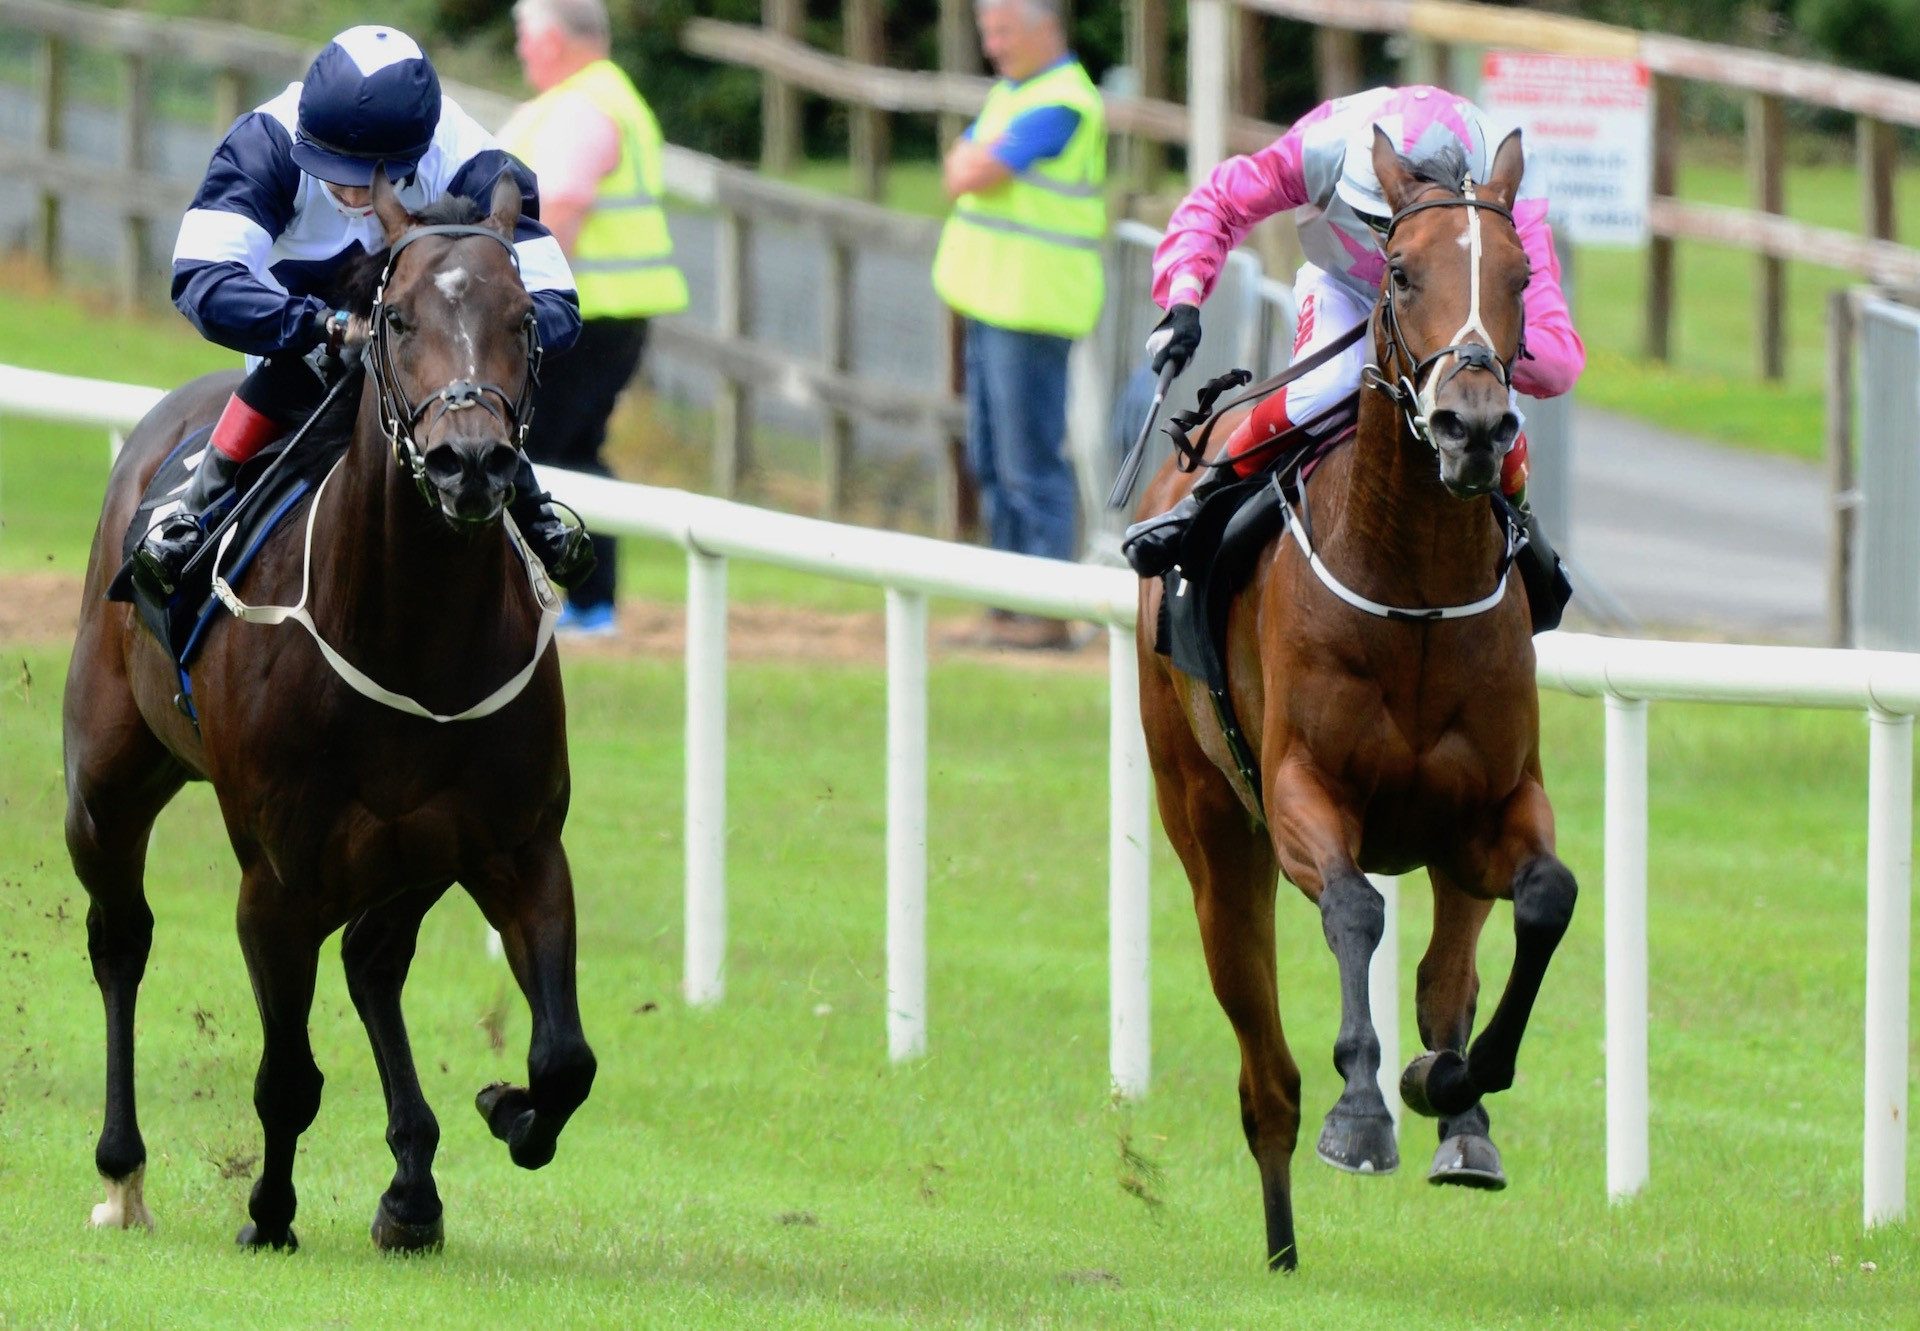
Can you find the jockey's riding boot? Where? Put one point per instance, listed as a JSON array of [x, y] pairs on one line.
[[163, 553], [1151, 545], [566, 551], [1548, 588]]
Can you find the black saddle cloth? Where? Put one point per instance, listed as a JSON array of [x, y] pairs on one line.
[[264, 496]]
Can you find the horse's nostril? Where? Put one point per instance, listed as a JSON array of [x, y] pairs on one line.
[[1448, 425], [502, 463], [1506, 432], [444, 466]]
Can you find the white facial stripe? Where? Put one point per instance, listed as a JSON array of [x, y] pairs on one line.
[[452, 283], [1470, 242]]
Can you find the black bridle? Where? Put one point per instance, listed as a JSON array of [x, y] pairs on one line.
[[400, 419], [1404, 388]]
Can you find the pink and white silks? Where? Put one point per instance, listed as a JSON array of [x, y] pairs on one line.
[[1338, 284]]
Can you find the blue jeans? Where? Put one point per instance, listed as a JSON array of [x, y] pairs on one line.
[[1016, 439]]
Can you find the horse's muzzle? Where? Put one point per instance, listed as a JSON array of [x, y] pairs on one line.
[[1471, 445], [473, 478]]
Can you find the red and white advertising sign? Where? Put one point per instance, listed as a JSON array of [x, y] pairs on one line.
[[1588, 123]]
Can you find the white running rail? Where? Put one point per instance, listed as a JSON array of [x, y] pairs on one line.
[[1627, 674]]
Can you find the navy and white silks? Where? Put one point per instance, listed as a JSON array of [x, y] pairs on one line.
[[263, 239]]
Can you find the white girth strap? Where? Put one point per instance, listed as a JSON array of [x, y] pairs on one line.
[[357, 680], [1359, 602]]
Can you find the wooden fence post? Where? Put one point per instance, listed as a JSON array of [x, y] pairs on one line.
[[1209, 87], [959, 54], [1428, 61], [1766, 151], [836, 350], [1147, 53], [732, 407], [1337, 65], [1659, 295], [867, 145], [1249, 53], [230, 99], [780, 100], [1845, 504], [50, 137], [1876, 150], [136, 113]]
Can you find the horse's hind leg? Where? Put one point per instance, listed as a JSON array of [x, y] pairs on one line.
[[532, 908], [1543, 893], [1229, 861], [281, 941], [376, 951], [1448, 988], [118, 779]]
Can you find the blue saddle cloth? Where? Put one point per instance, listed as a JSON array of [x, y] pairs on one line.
[[263, 498]]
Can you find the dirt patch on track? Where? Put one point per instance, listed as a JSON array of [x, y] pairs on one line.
[[41, 608]]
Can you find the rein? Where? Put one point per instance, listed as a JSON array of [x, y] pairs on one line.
[[400, 419]]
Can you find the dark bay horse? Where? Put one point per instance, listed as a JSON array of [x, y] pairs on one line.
[[343, 811], [1383, 742]]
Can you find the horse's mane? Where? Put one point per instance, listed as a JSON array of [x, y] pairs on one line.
[[1445, 166], [359, 278]]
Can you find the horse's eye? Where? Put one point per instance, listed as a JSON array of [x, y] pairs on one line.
[[1400, 282], [396, 322]]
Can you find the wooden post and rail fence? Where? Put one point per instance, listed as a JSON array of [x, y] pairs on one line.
[[1223, 72]]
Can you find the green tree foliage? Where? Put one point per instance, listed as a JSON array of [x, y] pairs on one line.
[[1880, 35]]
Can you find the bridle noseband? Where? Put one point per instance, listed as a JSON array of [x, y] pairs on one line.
[[1405, 389], [400, 419]]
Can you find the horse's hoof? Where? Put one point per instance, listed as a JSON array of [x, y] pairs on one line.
[[509, 1113], [1468, 1161], [1436, 1085], [124, 1208], [391, 1235], [1359, 1143], [250, 1237]]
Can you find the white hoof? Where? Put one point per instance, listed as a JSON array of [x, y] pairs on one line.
[[124, 1207]]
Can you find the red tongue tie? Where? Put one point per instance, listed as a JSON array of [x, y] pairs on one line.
[[242, 431]]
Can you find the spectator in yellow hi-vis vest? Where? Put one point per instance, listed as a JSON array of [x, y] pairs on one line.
[[1021, 259], [596, 148]]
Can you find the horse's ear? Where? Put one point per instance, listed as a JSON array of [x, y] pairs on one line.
[[393, 214], [1509, 164], [503, 214], [1396, 181]]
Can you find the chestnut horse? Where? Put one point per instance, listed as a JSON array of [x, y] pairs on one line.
[[1385, 737], [342, 810]]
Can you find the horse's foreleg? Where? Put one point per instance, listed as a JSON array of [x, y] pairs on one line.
[[532, 908], [1543, 893], [282, 946], [119, 778], [1448, 989], [376, 951], [1312, 838]]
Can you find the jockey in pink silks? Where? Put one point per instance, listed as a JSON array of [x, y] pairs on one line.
[[1322, 170]]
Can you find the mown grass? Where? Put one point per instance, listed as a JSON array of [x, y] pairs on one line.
[[760, 1163]]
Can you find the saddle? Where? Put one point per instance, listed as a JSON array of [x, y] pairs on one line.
[[270, 487]]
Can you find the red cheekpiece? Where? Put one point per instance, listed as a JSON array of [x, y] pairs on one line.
[[242, 431]]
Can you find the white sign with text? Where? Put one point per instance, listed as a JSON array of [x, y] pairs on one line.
[[1588, 127]]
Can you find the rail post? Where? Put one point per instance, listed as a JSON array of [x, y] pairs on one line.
[[1626, 945], [906, 824], [732, 408], [50, 134], [1129, 899], [706, 814], [1665, 94], [1889, 954], [1766, 170], [1209, 86], [136, 113], [780, 100]]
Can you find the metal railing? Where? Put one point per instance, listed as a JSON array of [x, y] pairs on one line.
[[1627, 674]]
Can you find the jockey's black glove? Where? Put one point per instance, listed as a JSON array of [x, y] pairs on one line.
[[1175, 338]]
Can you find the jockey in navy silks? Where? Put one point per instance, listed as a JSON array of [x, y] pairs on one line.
[[285, 206]]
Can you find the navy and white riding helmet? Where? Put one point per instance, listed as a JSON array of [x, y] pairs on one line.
[[371, 96]]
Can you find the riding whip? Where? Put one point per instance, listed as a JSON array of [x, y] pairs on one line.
[[1130, 465]]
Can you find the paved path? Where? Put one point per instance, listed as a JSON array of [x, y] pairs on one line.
[[1695, 537]]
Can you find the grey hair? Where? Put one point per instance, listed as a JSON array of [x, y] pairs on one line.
[[1035, 9], [583, 20]]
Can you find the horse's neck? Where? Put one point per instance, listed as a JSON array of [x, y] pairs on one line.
[[392, 579], [1391, 530]]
